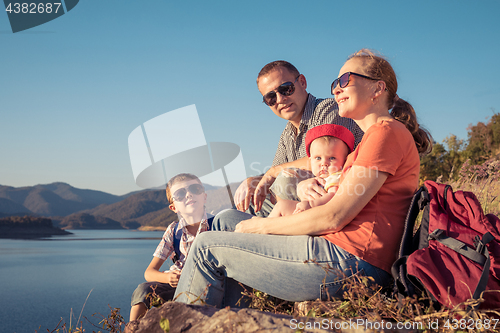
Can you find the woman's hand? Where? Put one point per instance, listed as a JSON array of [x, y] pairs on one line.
[[251, 226], [311, 189]]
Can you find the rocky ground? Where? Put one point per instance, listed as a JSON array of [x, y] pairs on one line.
[[195, 318]]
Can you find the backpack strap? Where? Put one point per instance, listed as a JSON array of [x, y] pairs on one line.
[[458, 246], [210, 221], [481, 248], [479, 255], [177, 239]]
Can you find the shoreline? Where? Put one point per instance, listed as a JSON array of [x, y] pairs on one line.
[[34, 233]]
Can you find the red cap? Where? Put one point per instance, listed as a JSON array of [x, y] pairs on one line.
[[336, 131]]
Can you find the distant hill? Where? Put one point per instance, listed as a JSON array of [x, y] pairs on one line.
[[150, 208], [73, 208], [90, 197], [9, 207], [219, 199], [87, 221], [57, 199], [141, 208]]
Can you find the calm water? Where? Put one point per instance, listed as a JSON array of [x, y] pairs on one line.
[[41, 281]]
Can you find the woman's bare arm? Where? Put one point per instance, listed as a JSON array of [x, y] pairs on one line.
[[356, 190]]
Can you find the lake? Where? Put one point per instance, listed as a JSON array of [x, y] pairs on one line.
[[42, 281]]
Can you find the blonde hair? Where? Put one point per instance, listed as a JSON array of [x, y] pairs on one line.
[[377, 67]]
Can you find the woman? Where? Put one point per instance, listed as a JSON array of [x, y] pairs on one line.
[[306, 256]]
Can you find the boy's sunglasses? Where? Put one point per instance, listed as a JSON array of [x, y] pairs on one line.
[[195, 189], [343, 80], [286, 89]]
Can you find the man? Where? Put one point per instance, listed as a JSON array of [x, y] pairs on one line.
[[284, 90]]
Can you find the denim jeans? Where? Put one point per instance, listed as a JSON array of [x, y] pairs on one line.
[[293, 268], [265, 210]]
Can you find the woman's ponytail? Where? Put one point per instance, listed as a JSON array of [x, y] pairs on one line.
[[403, 112]]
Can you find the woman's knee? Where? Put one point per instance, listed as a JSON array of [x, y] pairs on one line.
[[227, 220]]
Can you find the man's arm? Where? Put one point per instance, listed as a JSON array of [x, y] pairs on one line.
[[244, 195], [262, 188]]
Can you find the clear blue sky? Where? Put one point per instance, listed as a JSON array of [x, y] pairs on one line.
[[73, 89]]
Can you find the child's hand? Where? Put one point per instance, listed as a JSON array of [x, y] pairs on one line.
[[301, 206], [173, 278]]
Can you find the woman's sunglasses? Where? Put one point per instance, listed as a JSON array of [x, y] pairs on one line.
[[195, 189], [343, 80], [286, 89]]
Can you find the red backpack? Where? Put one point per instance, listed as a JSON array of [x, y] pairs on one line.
[[455, 253]]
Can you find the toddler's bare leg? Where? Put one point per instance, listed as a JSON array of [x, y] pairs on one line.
[[283, 208]]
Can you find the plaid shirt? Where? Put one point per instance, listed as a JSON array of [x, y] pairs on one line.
[[317, 111], [166, 247]]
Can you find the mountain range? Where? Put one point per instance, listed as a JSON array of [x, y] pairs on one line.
[[73, 208]]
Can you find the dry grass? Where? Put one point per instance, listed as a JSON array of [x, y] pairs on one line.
[[484, 181], [364, 300]]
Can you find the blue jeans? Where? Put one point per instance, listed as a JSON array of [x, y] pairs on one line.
[[293, 268]]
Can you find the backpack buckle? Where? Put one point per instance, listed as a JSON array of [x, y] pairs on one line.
[[436, 234], [478, 244]]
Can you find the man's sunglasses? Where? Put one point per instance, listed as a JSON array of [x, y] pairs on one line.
[[195, 189], [286, 89], [343, 80]]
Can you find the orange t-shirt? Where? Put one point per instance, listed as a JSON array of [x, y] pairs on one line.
[[375, 233]]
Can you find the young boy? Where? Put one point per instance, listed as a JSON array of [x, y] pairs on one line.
[[327, 147], [187, 198]]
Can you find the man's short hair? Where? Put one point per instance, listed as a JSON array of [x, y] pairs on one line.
[[176, 179], [275, 64]]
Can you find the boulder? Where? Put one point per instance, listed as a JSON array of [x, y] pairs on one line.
[[197, 318]]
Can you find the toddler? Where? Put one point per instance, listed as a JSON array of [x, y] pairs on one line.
[[327, 147]]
